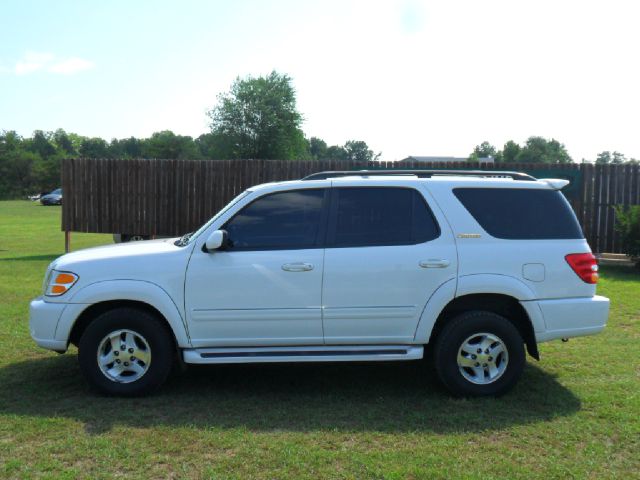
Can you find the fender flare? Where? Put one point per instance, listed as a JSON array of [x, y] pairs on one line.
[[475, 284], [133, 290], [439, 299]]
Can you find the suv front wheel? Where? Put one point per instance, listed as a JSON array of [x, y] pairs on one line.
[[479, 353], [126, 351]]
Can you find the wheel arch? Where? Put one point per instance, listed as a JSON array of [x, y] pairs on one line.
[[99, 297], [93, 311], [498, 303]]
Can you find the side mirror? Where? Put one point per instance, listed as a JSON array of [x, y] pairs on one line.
[[218, 240]]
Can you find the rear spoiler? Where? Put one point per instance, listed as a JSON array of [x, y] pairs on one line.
[[555, 183]]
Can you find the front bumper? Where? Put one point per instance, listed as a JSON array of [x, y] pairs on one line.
[[43, 321], [572, 317]]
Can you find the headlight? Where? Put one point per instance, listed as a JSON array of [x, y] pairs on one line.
[[59, 283]]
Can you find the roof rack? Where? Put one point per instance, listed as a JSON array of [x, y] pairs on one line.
[[419, 174]]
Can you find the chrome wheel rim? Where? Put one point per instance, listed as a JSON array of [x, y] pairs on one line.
[[482, 358], [124, 356]]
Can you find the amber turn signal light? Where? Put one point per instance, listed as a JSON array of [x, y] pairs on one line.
[[60, 283]]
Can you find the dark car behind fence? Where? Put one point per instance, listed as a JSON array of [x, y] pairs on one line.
[[172, 197]]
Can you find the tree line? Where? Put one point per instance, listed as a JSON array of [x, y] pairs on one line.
[[32, 164], [256, 119], [541, 150]]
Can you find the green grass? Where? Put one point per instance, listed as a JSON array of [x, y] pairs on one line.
[[575, 414]]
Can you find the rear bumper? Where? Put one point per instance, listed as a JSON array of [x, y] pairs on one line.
[[572, 317], [43, 320]]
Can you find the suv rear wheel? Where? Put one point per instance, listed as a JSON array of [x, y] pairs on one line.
[[479, 354], [126, 351]]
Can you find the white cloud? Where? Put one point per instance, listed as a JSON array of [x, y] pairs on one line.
[[70, 66], [32, 62], [42, 61]]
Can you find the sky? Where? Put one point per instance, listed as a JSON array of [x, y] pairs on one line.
[[409, 77]]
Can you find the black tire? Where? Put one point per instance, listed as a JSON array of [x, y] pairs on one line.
[[147, 326], [458, 331], [133, 238]]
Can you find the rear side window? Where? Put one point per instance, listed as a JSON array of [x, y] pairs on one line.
[[278, 221], [380, 216], [518, 213]]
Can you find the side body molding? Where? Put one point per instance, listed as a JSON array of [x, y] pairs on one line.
[[134, 290]]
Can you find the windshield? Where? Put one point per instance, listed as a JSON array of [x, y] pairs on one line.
[[197, 233], [57, 191]]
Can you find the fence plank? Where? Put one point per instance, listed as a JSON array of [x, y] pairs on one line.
[[171, 197]]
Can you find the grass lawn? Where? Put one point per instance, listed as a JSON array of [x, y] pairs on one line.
[[575, 414]]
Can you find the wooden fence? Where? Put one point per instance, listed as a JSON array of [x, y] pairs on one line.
[[171, 197]]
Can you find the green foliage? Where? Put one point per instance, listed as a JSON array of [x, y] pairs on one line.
[[628, 224], [541, 150], [167, 144], [535, 150], [94, 148], [126, 148], [336, 152], [484, 150], [259, 119], [510, 152], [357, 150], [317, 148], [615, 158]]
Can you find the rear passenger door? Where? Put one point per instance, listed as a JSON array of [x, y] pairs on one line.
[[385, 255]]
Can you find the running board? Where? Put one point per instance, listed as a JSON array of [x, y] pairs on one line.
[[322, 353]]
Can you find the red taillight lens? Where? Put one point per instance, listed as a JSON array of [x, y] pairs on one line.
[[585, 265]]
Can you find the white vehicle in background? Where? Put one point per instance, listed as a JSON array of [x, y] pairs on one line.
[[339, 266]]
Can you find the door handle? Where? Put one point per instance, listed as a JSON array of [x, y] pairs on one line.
[[297, 267], [434, 263]]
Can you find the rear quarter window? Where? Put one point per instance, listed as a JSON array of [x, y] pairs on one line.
[[521, 214]]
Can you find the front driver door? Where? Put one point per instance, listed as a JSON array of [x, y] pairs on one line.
[[265, 288]]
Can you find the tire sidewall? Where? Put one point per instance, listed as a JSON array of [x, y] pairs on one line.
[[140, 322], [460, 329]]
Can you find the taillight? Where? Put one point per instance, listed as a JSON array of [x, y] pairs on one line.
[[585, 265]]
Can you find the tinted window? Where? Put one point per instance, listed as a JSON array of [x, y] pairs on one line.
[[521, 213], [278, 221], [380, 216]]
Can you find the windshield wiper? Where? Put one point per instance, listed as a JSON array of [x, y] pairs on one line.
[[183, 240]]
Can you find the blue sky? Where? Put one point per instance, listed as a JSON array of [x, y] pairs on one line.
[[409, 77]]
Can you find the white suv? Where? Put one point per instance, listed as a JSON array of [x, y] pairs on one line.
[[339, 266]]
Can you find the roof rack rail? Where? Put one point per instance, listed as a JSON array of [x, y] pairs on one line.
[[419, 174]]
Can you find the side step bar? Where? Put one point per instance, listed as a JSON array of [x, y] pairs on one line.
[[321, 353]]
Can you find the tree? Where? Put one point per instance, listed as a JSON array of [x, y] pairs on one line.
[[617, 158], [41, 145], [167, 144], [125, 148], [15, 165], [94, 148], [510, 152], [484, 150], [214, 146], [63, 142], [259, 119], [628, 225], [336, 152], [603, 158], [317, 148], [541, 150], [357, 150]]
